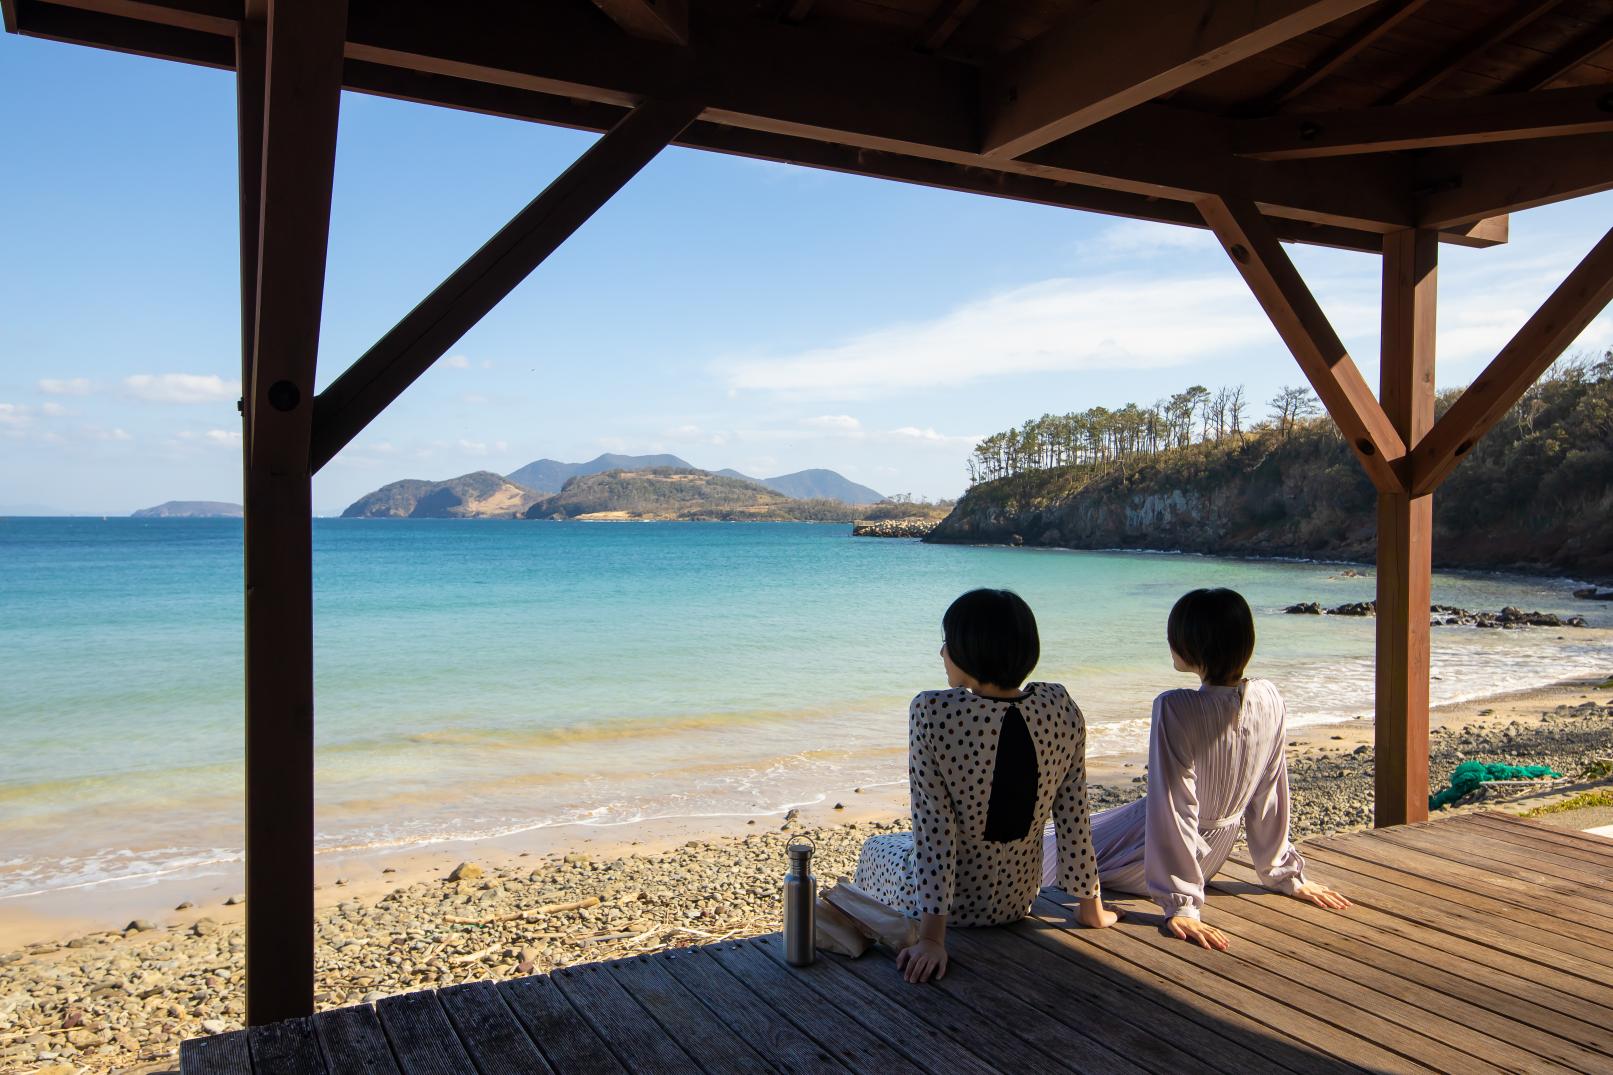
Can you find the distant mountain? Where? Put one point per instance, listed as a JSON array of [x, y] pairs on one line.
[[480, 494], [550, 475], [681, 494], [190, 509], [815, 484]]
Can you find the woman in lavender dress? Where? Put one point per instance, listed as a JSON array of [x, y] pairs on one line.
[[1215, 761]]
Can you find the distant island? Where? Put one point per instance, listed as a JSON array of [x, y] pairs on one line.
[[623, 487], [1191, 473], [550, 476], [189, 509]]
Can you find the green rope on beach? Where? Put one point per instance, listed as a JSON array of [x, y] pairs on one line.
[[1470, 774]]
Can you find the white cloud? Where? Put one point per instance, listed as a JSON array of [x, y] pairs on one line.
[[66, 386], [475, 399], [1145, 238], [473, 447], [832, 421], [929, 434], [52, 410], [182, 388], [456, 362], [222, 438], [1061, 325], [14, 418], [116, 433]]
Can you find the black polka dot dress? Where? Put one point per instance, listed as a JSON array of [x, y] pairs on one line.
[[946, 865]]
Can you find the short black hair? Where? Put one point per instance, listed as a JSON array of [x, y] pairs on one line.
[[991, 635], [1214, 630]]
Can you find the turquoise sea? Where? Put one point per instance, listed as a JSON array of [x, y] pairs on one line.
[[485, 677]]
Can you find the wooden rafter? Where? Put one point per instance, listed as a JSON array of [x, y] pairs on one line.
[[1113, 55], [1340, 54], [944, 22], [1460, 184], [1591, 44], [657, 20], [1561, 318], [1515, 18], [355, 398], [1428, 124], [798, 10], [1299, 320], [301, 79]]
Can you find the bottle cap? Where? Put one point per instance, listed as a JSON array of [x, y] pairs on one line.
[[800, 853]]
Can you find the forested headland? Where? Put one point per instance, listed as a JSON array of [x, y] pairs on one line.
[[1211, 471]]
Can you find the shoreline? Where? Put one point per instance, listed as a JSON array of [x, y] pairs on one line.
[[56, 915], [97, 998]]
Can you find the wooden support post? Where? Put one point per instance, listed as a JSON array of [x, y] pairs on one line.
[[397, 359], [298, 86], [1405, 525], [1299, 320]]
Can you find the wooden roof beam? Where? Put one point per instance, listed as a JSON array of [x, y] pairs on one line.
[[1590, 45], [1110, 56], [656, 20], [1427, 124], [1469, 49], [1540, 342], [1345, 50], [944, 22], [1304, 327], [1456, 186], [398, 359]]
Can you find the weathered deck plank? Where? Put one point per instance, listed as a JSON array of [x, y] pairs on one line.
[[565, 1038], [1466, 951], [1483, 1006], [422, 1038], [353, 1041], [286, 1048], [723, 1052], [486, 1023], [638, 1042]]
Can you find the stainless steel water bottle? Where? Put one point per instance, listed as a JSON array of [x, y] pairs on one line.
[[800, 904]]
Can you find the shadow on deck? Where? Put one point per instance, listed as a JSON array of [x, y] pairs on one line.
[[1471, 949]]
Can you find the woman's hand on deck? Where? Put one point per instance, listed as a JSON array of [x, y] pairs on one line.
[[1322, 896], [1094, 914], [921, 959], [1196, 932]]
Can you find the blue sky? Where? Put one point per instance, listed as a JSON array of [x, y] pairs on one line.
[[737, 313]]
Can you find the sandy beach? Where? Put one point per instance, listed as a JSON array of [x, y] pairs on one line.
[[83, 993]]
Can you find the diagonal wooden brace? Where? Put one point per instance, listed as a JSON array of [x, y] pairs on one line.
[[398, 358], [1542, 339], [1299, 320]]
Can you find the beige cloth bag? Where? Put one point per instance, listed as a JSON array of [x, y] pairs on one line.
[[850, 921]]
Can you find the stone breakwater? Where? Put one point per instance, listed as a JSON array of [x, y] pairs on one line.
[[107, 1001], [894, 528], [1508, 618]]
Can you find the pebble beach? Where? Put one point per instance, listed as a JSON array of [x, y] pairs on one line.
[[122, 1000]]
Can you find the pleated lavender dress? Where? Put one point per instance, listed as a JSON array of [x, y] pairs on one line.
[[1215, 760]]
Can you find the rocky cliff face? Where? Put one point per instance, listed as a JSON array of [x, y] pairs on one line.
[[1299, 496], [478, 495]]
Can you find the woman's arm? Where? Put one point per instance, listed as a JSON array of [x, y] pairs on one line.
[[934, 836], [1171, 864], [1072, 819], [1265, 823]]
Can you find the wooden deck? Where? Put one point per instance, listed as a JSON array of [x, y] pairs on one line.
[[1473, 948]]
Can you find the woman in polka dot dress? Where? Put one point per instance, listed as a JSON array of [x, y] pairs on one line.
[[988, 762]]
